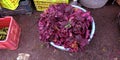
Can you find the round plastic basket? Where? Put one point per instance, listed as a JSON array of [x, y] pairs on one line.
[[91, 34]]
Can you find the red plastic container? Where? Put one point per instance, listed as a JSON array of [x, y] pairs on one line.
[[13, 34]]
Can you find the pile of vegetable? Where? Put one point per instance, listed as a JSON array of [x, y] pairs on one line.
[[3, 33], [65, 26]]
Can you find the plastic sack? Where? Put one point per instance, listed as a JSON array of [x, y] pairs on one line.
[[118, 1], [9, 4]]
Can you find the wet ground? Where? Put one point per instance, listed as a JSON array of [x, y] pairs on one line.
[[104, 46]]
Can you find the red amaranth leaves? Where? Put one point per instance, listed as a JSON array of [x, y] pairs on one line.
[[65, 25]]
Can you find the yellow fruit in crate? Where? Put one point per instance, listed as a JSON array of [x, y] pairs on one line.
[[42, 5]]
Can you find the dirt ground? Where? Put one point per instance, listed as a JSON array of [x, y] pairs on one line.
[[104, 46]]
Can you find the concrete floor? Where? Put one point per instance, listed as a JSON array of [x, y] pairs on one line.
[[104, 46]]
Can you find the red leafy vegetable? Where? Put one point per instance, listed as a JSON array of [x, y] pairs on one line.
[[65, 26]]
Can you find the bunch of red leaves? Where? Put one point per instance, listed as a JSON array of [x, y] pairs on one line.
[[65, 26]]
